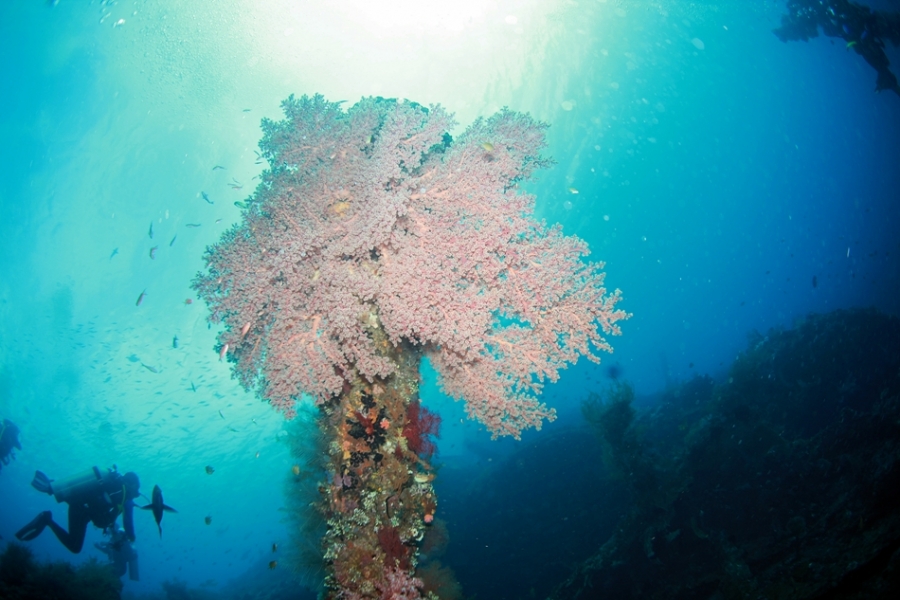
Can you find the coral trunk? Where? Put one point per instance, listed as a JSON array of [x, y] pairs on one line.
[[379, 493]]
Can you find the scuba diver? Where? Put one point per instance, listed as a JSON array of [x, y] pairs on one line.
[[864, 30], [94, 496], [122, 556], [9, 439]]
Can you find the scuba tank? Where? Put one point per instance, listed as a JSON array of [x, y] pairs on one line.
[[76, 489]]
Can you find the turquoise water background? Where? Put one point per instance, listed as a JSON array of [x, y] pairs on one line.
[[730, 182]]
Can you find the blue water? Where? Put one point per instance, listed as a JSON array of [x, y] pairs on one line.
[[730, 182]]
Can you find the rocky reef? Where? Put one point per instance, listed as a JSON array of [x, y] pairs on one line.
[[781, 481]]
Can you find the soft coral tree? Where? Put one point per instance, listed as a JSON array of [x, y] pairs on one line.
[[372, 239]]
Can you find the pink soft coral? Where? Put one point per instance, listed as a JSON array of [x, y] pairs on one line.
[[374, 218]]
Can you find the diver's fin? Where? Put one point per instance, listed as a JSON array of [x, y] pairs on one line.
[[41, 483], [35, 528]]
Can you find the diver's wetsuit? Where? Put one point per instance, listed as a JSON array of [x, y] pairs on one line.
[[100, 511], [123, 558], [9, 439]]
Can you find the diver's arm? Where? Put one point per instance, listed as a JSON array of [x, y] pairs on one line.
[[128, 519]]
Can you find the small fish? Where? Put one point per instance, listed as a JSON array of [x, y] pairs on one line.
[[220, 414], [175, 341], [172, 242], [572, 190], [217, 221], [217, 167], [245, 329], [850, 45], [140, 298], [274, 547], [207, 519], [295, 469], [488, 147], [246, 110], [205, 197], [114, 252], [243, 205], [192, 225], [257, 455], [236, 185], [158, 506], [149, 368], [223, 352], [153, 252], [210, 469], [273, 564], [188, 301], [193, 387], [151, 230]]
